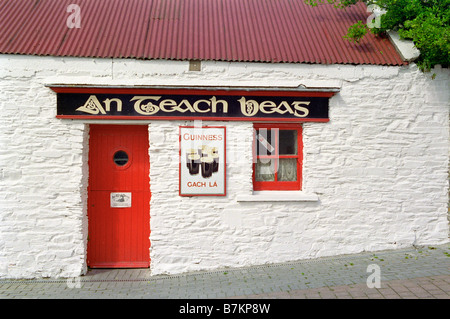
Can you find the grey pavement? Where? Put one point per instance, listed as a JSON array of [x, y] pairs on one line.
[[413, 273]]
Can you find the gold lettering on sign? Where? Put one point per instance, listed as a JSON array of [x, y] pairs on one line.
[[248, 108], [214, 103], [146, 109], [251, 107], [188, 107], [107, 103], [286, 106], [197, 109], [144, 104], [297, 107], [92, 106], [168, 103], [267, 104]]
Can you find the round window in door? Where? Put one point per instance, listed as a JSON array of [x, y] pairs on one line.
[[121, 159]]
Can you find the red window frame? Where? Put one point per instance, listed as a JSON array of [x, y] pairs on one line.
[[278, 185]]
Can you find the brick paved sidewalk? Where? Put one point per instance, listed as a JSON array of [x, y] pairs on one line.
[[432, 287], [408, 273]]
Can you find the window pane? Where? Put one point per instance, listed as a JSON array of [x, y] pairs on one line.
[[288, 142], [264, 146], [265, 170], [120, 158], [287, 170]]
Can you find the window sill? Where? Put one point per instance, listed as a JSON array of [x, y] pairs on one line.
[[278, 196]]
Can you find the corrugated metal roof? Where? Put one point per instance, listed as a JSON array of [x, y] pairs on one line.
[[223, 30]]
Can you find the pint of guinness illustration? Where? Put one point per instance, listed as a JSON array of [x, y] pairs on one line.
[[207, 166], [191, 151], [215, 157], [205, 151], [193, 163], [204, 157]]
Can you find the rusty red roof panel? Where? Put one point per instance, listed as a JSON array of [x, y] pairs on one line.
[[221, 30]]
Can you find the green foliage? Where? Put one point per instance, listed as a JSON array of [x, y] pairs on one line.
[[356, 32], [426, 22]]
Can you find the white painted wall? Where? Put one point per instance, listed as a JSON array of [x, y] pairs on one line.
[[379, 168]]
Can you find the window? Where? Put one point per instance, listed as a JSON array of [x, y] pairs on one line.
[[277, 154], [120, 158]]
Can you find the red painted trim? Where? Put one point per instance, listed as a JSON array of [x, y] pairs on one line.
[[168, 91], [276, 186], [287, 126], [278, 156], [224, 165], [121, 265], [142, 118], [280, 185], [143, 190], [277, 150]]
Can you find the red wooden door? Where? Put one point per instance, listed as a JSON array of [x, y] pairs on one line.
[[119, 197]]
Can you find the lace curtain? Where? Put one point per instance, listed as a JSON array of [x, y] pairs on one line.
[[287, 170]]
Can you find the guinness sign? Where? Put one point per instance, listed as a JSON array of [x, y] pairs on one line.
[[202, 161], [194, 104]]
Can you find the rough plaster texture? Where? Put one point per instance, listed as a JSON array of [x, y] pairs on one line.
[[379, 168]]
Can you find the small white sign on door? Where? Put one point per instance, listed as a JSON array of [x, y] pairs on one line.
[[120, 199]]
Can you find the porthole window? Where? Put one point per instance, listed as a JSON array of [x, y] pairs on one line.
[[120, 158]]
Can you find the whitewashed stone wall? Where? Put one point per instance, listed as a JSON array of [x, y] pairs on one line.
[[379, 168]]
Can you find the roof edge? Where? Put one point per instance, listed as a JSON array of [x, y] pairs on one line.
[[300, 88], [405, 48]]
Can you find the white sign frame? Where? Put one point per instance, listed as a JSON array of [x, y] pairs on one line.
[[120, 200], [202, 161]]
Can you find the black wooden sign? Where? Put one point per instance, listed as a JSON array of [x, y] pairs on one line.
[[210, 106]]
